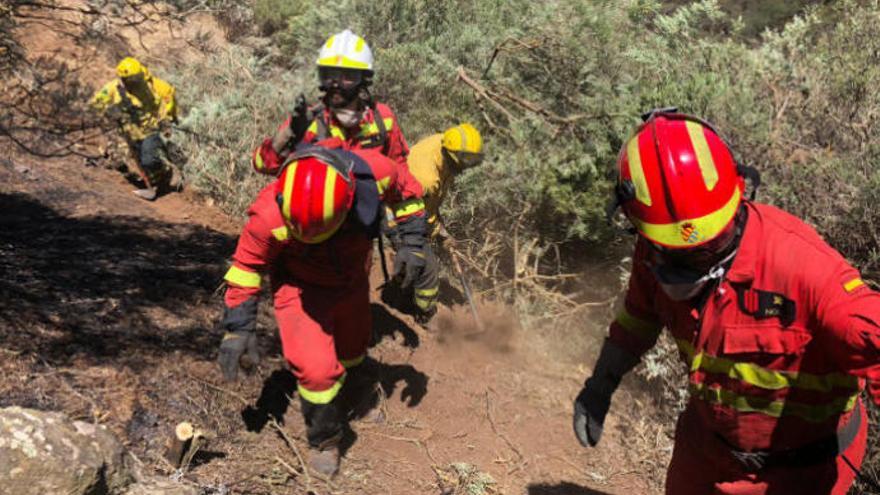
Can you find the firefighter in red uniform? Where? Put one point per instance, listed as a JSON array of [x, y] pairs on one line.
[[347, 110], [778, 331], [312, 230]]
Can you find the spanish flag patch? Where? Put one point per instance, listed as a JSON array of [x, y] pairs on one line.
[[853, 284]]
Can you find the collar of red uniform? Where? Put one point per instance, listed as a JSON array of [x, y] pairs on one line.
[[743, 267]]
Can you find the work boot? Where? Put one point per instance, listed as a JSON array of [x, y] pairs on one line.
[[325, 461], [361, 395], [324, 433], [147, 193]]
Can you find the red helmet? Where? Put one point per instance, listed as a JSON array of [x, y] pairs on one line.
[[314, 196], [679, 181]]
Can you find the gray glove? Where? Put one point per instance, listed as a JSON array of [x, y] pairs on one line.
[[240, 339], [409, 262], [592, 403]]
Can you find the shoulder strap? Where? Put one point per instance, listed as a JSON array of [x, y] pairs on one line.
[[383, 131]]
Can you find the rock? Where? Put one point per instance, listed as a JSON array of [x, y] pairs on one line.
[[46, 453]]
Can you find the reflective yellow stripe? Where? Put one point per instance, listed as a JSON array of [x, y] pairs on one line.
[[636, 172], [368, 129], [323, 396], [641, 327], [359, 44], [464, 140], [280, 233], [340, 61], [351, 363], [337, 132], [383, 184], [853, 284], [774, 408], [690, 232], [288, 190], [427, 292], [313, 127], [329, 194], [242, 278], [424, 304], [704, 155], [764, 378], [408, 207], [258, 160]]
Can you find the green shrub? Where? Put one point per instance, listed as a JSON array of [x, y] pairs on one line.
[[232, 100], [273, 15]]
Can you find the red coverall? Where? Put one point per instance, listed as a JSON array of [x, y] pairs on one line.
[[321, 291], [367, 136], [777, 357]]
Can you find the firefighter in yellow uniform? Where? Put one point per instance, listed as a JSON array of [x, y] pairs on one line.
[[145, 107], [435, 161]]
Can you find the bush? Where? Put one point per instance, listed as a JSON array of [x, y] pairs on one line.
[[272, 15], [233, 100]]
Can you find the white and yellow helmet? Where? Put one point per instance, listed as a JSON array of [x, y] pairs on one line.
[[346, 50]]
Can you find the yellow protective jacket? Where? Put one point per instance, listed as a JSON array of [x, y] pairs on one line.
[[426, 164], [141, 113]]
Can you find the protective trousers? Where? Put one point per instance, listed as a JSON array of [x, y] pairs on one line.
[[702, 464], [427, 286], [148, 154], [324, 330]]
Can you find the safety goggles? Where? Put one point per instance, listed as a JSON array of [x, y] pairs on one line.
[[339, 78], [466, 159]]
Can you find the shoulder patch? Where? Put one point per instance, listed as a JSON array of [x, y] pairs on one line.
[[762, 304]]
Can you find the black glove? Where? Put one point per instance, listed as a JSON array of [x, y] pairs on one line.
[[592, 403], [239, 340], [300, 118], [412, 248]]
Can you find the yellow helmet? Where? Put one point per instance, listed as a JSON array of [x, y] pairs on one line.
[[464, 145], [346, 50], [129, 67]]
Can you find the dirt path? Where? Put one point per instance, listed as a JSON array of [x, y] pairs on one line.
[[107, 312]]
